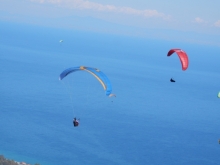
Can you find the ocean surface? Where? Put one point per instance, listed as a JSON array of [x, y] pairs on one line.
[[151, 121]]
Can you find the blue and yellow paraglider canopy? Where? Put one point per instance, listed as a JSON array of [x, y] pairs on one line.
[[100, 76]]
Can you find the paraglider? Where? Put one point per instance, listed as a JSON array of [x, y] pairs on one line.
[[182, 56], [100, 76], [183, 59], [61, 41]]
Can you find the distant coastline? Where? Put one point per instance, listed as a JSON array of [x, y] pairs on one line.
[[6, 161]]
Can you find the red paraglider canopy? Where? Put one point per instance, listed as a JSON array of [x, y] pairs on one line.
[[182, 56]]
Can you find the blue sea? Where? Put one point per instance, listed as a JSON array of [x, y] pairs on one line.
[[151, 121]]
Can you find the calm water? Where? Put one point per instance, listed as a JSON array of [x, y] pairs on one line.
[[151, 121]]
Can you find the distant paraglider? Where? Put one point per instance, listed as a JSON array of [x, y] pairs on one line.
[[61, 41], [183, 59], [182, 56]]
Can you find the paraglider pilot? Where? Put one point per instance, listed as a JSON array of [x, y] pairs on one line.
[[172, 80], [75, 122]]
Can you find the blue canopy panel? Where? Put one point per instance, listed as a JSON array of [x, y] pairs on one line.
[[68, 71]]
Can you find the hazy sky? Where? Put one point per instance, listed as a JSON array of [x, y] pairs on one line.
[[191, 21]]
